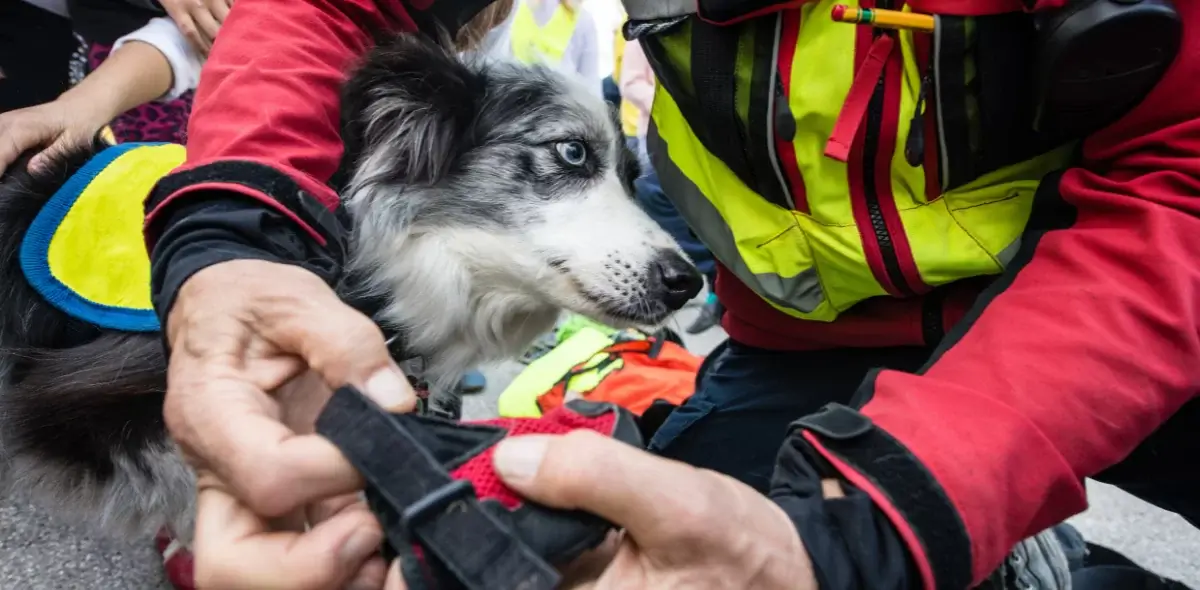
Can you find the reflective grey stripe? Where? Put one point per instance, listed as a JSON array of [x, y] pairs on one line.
[[771, 124], [658, 9], [802, 292], [1006, 255]]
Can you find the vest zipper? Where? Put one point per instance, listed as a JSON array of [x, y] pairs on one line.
[[883, 237]]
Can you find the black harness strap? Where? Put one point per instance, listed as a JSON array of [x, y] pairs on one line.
[[951, 55], [421, 502]]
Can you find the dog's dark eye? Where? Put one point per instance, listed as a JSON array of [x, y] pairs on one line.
[[572, 153]]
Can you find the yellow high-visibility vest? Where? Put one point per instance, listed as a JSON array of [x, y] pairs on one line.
[[541, 44], [629, 113], [743, 139]]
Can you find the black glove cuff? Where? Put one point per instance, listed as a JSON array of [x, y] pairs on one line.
[[851, 542], [898, 481]]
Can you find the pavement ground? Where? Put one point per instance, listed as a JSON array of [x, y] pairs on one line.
[[38, 552]]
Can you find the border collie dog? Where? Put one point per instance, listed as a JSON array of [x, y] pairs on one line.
[[484, 198]]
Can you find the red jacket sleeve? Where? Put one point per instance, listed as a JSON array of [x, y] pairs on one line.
[[1068, 363], [269, 97]]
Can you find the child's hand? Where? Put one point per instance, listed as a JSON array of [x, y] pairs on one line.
[[55, 127], [199, 20]]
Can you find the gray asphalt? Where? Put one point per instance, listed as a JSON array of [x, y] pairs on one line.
[[38, 552]]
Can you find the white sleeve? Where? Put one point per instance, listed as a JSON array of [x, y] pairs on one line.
[[165, 36]]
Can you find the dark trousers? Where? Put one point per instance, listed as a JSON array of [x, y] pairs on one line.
[[746, 397]]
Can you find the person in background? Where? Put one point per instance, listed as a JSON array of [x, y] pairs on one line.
[[102, 26], [557, 33], [628, 113], [636, 82], [610, 91], [126, 84], [609, 88]]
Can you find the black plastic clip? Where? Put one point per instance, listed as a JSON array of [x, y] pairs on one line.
[[435, 503]]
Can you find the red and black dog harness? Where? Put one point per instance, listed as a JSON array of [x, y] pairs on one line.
[[444, 511]]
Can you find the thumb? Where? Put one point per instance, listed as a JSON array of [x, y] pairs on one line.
[[629, 487], [344, 347]]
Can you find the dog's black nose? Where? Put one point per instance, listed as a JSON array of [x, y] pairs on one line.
[[679, 279]]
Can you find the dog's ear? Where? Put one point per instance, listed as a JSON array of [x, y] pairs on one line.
[[407, 111]]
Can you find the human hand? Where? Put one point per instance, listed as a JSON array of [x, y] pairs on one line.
[[56, 127], [198, 20], [682, 527], [256, 349]]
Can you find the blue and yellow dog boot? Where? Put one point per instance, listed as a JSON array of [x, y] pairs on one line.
[[445, 512]]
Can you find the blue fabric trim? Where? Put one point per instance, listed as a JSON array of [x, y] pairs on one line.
[[35, 253]]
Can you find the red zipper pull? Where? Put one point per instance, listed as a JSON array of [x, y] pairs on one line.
[[854, 109]]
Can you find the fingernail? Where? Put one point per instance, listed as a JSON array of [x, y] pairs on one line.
[[361, 545], [390, 389], [517, 459]]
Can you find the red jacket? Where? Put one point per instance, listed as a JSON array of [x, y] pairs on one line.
[[1092, 346]]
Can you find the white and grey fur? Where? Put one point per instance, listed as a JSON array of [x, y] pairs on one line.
[[473, 217]]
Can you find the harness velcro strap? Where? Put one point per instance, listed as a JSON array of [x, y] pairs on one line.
[[714, 58], [854, 110], [902, 485], [266, 184], [423, 504]]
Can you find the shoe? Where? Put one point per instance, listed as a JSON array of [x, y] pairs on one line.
[[710, 317], [1037, 563], [472, 382], [443, 509]]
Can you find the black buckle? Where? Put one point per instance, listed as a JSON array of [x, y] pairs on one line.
[[435, 503]]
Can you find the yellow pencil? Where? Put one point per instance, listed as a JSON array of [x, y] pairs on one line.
[[107, 135], [885, 19]]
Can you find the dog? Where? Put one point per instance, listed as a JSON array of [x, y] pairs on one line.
[[483, 198]]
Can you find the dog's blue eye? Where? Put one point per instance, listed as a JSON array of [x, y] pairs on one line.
[[573, 153]]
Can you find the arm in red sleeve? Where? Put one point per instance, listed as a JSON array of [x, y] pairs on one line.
[[1077, 354]]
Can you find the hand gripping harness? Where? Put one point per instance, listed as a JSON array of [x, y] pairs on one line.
[[445, 513]]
